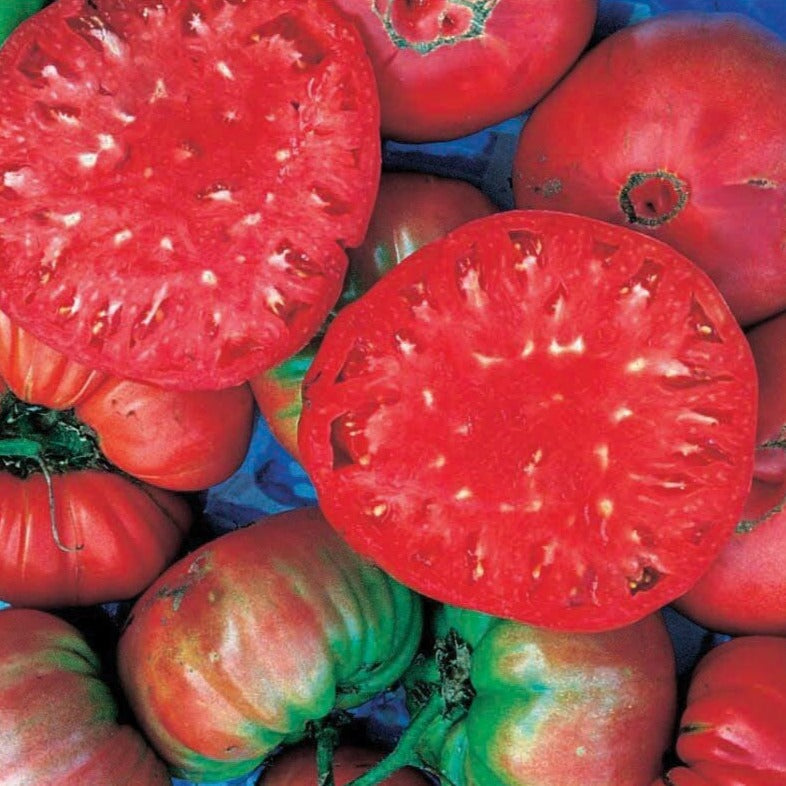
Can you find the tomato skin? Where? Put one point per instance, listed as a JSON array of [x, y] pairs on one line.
[[744, 591], [118, 536], [731, 731], [59, 719], [439, 79], [711, 151], [179, 440], [297, 767], [270, 626], [411, 209], [554, 709]]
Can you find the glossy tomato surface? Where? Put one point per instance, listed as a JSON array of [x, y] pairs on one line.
[[411, 209], [744, 591], [180, 440], [675, 127], [93, 537], [297, 767], [540, 416], [446, 68], [179, 180], [548, 708], [238, 646], [59, 719], [731, 732]]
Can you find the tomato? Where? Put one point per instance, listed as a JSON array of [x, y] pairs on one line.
[[411, 209], [90, 537], [539, 416], [179, 180], [297, 767], [180, 440], [505, 704], [268, 628], [85, 458], [744, 590], [60, 722], [731, 731], [658, 128], [446, 68]]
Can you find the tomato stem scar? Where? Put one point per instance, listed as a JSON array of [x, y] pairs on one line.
[[651, 199]]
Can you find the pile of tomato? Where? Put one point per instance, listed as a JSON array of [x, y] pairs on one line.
[[392, 392]]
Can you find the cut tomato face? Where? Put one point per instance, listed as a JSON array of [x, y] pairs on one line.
[[179, 179], [540, 416]]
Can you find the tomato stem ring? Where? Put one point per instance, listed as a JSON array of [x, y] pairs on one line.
[[651, 199]]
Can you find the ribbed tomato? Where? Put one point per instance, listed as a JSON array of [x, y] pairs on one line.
[[85, 460], [504, 704], [59, 719], [245, 642], [732, 729]]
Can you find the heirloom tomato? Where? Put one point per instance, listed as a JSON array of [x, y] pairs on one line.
[[297, 767], [446, 68], [411, 209], [255, 636], [676, 127], [744, 591], [58, 718], [85, 459], [179, 179], [505, 704], [539, 416], [732, 729]]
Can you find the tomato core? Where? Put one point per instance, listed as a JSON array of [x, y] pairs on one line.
[[34, 438]]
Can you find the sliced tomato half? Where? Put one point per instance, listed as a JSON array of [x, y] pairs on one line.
[[178, 180], [540, 416]]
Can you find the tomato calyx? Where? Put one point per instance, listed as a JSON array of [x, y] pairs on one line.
[[423, 25], [448, 697], [650, 199], [33, 436]]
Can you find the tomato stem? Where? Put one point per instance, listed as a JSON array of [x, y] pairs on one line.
[[405, 753], [326, 739]]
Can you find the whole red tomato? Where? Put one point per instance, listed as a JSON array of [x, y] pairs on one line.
[[675, 127], [744, 591], [732, 729], [59, 719], [446, 68], [241, 645], [298, 767], [411, 209], [85, 460]]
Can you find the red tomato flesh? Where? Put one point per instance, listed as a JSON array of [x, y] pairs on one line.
[[179, 179], [539, 416]]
